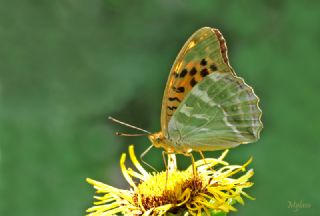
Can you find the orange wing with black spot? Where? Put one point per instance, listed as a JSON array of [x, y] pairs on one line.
[[205, 52]]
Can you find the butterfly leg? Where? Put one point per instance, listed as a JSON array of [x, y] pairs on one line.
[[204, 159], [171, 166], [194, 170], [165, 164], [206, 163], [164, 159], [143, 154]]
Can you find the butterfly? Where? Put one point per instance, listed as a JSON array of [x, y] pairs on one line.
[[206, 106]]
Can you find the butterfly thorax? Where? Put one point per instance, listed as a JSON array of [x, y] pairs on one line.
[[159, 140]]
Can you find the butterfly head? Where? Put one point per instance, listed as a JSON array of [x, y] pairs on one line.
[[159, 140]]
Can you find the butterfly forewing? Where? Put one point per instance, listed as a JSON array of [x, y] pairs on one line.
[[204, 53], [220, 112]]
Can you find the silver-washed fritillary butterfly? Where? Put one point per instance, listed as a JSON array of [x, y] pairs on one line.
[[205, 106]]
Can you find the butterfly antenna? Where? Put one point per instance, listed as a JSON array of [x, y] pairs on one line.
[[128, 125], [126, 134]]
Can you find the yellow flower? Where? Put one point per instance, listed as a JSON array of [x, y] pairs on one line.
[[207, 187]]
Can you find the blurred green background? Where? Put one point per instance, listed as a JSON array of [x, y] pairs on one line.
[[67, 65]]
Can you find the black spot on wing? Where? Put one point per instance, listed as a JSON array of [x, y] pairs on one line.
[[193, 82], [193, 71], [213, 67], [179, 89], [204, 72], [183, 73], [172, 107], [174, 99], [203, 62]]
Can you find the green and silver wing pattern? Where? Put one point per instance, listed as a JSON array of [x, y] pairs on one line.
[[219, 112]]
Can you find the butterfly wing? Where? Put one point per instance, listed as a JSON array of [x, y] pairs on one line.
[[220, 112], [204, 53]]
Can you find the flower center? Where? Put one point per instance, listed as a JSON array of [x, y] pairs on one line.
[[158, 191]]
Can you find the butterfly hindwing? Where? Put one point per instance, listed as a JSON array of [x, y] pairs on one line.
[[220, 112], [204, 53]]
